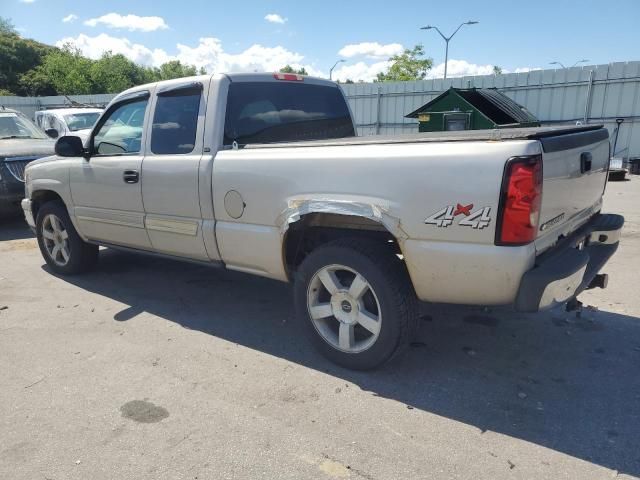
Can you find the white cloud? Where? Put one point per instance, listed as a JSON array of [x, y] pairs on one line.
[[72, 17], [371, 50], [275, 18], [94, 47], [209, 53], [524, 69], [360, 71], [129, 22], [27, 1], [459, 68]]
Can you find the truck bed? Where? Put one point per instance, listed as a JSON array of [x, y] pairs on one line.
[[497, 135]]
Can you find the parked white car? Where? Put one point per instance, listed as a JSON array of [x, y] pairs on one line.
[[264, 174], [68, 121]]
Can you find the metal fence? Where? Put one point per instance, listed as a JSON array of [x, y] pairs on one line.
[[30, 105], [590, 94]]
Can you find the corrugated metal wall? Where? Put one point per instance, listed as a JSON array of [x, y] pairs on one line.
[[30, 105], [597, 94]]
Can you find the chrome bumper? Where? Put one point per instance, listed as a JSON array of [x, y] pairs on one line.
[[28, 214]]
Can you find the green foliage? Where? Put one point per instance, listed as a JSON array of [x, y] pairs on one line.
[[290, 69], [68, 71], [497, 70], [17, 57], [114, 73], [173, 69], [407, 66], [6, 26], [33, 68]]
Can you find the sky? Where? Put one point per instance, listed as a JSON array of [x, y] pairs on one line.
[[260, 35]]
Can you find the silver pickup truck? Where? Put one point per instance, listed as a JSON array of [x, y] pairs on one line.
[[264, 174]]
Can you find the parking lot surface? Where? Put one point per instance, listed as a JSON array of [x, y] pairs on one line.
[[149, 369]]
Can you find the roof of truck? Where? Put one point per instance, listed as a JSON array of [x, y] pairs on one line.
[[233, 77]]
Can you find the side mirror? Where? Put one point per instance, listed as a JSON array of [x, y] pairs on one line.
[[52, 132], [69, 146]]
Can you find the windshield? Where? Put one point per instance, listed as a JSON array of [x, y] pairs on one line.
[[13, 125], [81, 121]]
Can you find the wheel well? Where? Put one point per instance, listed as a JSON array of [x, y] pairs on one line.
[[316, 229], [40, 197]]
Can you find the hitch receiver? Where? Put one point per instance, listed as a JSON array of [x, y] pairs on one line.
[[599, 281]]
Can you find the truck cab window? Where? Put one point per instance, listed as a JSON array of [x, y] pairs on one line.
[[268, 112], [121, 133], [175, 122]]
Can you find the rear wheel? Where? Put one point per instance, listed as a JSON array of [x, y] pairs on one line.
[[356, 301], [61, 246]]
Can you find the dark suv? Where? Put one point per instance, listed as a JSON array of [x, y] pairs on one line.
[[20, 143]]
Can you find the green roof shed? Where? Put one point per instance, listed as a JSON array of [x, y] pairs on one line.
[[472, 109]]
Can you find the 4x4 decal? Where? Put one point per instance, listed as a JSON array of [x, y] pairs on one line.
[[447, 216]]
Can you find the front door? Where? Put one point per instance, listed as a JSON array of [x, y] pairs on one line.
[[106, 187]]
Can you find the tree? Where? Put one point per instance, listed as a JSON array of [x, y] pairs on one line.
[[407, 66], [31, 68], [7, 26], [290, 69], [174, 69], [17, 56], [497, 70], [115, 73], [68, 71]]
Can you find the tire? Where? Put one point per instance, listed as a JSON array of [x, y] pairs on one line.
[[61, 246], [357, 327]]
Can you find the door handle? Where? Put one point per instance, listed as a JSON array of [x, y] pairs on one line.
[[585, 161], [131, 176]]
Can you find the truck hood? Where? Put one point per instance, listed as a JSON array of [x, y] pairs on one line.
[[26, 147]]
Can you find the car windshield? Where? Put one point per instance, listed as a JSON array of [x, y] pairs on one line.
[[81, 121], [13, 125]]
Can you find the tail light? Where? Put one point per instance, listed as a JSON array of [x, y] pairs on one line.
[[289, 77], [520, 201]]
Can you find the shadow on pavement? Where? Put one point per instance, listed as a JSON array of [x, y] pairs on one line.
[[566, 383], [14, 227]]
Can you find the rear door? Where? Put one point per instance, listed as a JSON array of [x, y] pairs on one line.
[[170, 171], [106, 187], [575, 174]]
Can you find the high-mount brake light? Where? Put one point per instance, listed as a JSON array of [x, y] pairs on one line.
[[289, 77], [520, 201]]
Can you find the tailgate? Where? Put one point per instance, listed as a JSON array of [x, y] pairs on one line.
[[575, 173]]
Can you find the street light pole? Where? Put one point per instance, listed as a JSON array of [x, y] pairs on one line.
[[584, 60], [447, 39], [334, 66]]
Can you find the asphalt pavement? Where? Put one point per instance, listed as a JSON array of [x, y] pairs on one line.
[[153, 369]]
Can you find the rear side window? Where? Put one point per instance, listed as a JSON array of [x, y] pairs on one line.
[[268, 112], [175, 121]]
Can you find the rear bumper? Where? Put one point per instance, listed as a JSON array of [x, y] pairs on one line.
[[566, 271]]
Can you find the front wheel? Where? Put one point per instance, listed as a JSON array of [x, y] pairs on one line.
[[61, 246], [357, 303]]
